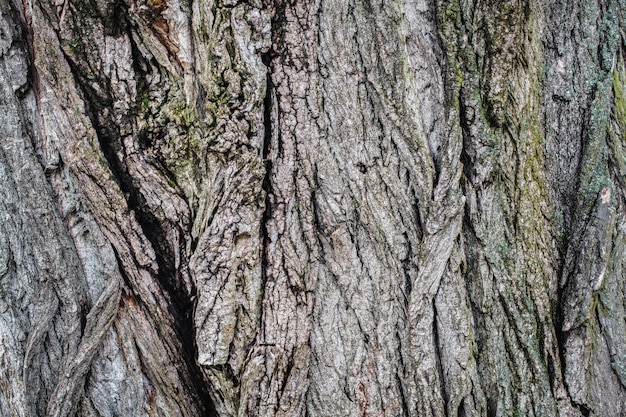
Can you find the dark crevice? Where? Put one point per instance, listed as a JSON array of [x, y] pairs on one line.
[[460, 412], [405, 405], [586, 412], [407, 266], [577, 205], [25, 41], [98, 107], [114, 22], [286, 376], [267, 183], [466, 160], [169, 277], [121, 269], [438, 349], [470, 241], [562, 340], [574, 215], [317, 220]]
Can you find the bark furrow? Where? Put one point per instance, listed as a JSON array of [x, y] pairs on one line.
[[312, 208]]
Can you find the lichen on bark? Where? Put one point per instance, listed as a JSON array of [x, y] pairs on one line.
[[272, 208]]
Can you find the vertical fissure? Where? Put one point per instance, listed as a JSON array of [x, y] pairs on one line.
[[180, 300], [267, 182], [403, 397], [437, 347]]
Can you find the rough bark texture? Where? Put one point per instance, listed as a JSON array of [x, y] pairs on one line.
[[312, 208]]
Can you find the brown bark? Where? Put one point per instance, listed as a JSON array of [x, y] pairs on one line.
[[291, 208]]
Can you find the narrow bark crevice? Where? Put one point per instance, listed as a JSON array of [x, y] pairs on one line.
[[180, 304], [406, 268], [561, 337], [586, 412], [266, 185], [465, 124], [403, 396], [180, 301], [270, 209], [437, 346]]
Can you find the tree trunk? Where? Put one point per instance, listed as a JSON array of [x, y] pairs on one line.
[[313, 208]]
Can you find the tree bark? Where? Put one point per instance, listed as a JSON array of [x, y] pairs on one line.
[[313, 208]]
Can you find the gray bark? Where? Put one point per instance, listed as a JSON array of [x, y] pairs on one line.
[[312, 208]]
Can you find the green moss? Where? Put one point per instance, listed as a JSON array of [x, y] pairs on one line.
[[72, 43], [619, 107], [594, 174], [449, 16], [183, 115], [503, 250], [144, 102], [617, 127]]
